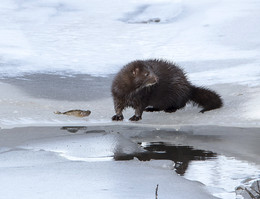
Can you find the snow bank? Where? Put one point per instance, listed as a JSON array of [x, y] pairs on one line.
[[96, 37]]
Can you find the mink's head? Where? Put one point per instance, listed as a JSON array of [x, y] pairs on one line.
[[143, 76], [133, 77]]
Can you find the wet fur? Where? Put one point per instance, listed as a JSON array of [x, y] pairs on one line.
[[172, 90]]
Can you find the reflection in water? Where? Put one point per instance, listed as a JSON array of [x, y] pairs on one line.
[[181, 155], [73, 129], [219, 173], [223, 174]]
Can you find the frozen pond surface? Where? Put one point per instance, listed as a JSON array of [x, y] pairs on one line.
[[218, 172], [79, 154]]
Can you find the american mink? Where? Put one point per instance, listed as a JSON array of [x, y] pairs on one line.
[[157, 85]]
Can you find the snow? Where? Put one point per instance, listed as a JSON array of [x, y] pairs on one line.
[[97, 38], [88, 37], [62, 43]]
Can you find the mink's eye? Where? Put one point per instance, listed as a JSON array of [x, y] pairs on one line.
[[146, 74]]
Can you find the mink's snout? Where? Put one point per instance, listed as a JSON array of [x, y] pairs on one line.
[[151, 80]]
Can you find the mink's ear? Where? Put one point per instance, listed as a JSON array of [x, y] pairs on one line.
[[135, 71]]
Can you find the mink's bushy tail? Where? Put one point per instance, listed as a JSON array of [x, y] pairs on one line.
[[205, 98]]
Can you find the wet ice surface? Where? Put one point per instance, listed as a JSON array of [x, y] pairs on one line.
[[222, 174], [53, 162], [33, 99], [218, 172], [37, 159]]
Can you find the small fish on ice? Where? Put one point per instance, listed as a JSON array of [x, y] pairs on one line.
[[76, 113]]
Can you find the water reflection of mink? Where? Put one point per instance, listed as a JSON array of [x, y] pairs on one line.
[[181, 155]]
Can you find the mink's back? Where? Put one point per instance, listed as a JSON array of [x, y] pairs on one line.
[[172, 90]]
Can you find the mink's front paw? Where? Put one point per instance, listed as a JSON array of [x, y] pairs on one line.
[[135, 118], [117, 117]]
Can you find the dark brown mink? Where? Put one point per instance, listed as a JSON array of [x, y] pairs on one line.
[[157, 85]]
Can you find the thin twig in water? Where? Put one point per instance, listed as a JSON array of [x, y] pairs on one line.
[[250, 194], [256, 191], [156, 191], [258, 187]]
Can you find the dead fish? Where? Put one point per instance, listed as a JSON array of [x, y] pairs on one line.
[[77, 113]]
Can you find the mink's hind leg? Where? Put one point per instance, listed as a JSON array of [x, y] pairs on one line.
[[173, 109], [135, 118], [151, 109], [206, 109], [170, 110], [138, 114]]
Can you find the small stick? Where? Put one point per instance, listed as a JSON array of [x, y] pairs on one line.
[[250, 194], [258, 186], [258, 192], [156, 191]]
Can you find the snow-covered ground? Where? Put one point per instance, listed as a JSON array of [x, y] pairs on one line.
[[61, 55], [216, 42], [97, 37]]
